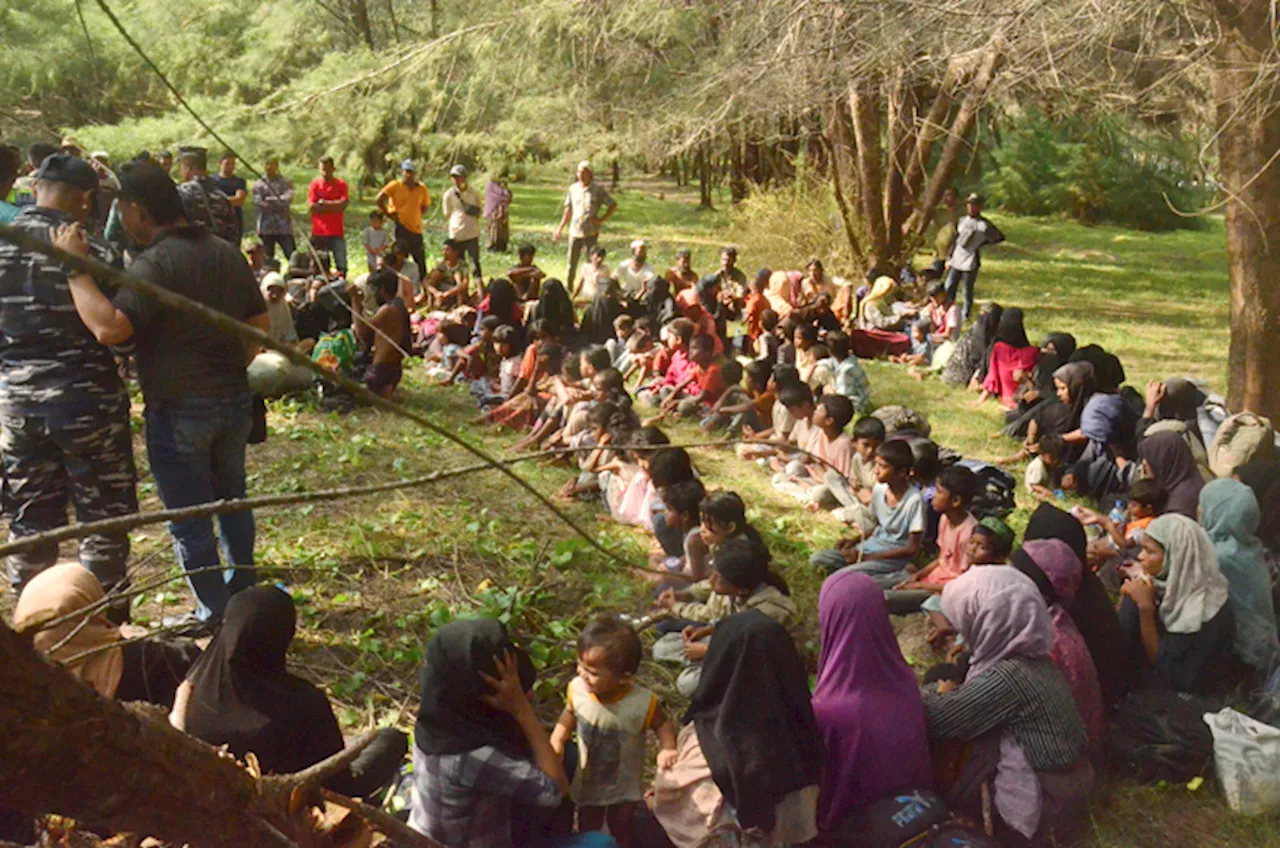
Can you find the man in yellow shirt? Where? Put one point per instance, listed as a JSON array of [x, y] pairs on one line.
[[404, 201]]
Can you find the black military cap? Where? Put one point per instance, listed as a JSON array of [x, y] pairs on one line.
[[65, 168], [199, 156]]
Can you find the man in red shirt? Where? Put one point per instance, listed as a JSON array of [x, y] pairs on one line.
[[327, 199]]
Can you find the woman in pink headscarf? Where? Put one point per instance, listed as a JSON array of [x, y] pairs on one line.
[[1028, 741], [1056, 571], [867, 704]]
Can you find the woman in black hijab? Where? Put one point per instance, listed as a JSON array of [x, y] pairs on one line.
[[1091, 610], [658, 304], [597, 321], [555, 309], [972, 355], [1263, 476], [1171, 464], [1107, 370], [239, 694], [754, 723], [480, 751]]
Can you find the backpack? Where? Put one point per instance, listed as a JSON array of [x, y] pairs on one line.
[[900, 419], [1241, 438], [1158, 734], [894, 821], [997, 490]]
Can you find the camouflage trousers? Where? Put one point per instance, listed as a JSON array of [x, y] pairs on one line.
[[52, 458]]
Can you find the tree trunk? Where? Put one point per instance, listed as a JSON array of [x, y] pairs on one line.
[[864, 109], [360, 18], [395, 22], [901, 119], [704, 175], [123, 768], [615, 174], [435, 15], [930, 128], [846, 214], [960, 128], [1248, 139]]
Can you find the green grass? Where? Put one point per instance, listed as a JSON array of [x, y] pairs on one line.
[[375, 575]]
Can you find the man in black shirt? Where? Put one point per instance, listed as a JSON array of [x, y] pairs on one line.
[[235, 188], [198, 405], [64, 413], [202, 201]]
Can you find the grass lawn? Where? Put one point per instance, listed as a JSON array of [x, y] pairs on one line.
[[374, 576]]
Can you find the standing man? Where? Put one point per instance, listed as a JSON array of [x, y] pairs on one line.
[[64, 412], [635, 274], [461, 208], [202, 201], [327, 199], [582, 205], [198, 407], [235, 188], [272, 194], [403, 201], [973, 232]]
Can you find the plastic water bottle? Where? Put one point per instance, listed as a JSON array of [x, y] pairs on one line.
[[1118, 514]]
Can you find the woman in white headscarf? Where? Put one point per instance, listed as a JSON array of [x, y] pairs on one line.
[[1176, 611]]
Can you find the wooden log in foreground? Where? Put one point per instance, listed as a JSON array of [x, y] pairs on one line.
[[64, 749]]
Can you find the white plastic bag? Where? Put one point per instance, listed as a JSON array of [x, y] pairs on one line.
[[1246, 754]]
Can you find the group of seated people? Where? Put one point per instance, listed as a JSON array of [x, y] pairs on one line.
[[1034, 654]]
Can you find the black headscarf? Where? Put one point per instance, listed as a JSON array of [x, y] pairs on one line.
[[1263, 476], [503, 301], [1010, 329], [453, 719], [1091, 609], [754, 718], [1108, 373], [555, 309], [1064, 344], [597, 321], [984, 336], [242, 696], [659, 305], [1182, 399], [1174, 468]]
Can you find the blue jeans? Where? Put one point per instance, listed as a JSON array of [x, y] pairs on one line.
[[196, 449], [969, 278]]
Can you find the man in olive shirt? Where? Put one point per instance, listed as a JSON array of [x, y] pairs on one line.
[[198, 406], [582, 205], [403, 201]]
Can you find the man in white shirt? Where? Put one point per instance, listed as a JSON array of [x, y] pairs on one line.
[[633, 276], [461, 207], [582, 205], [972, 232]]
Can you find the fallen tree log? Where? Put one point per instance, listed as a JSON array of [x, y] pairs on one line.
[[66, 750]]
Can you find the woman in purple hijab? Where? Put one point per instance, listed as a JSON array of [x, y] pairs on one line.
[[866, 702]]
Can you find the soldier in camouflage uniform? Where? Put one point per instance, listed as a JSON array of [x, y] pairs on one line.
[[202, 200], [64, 412]]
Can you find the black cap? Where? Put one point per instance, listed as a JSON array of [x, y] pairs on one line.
[[65, 168], [198, 156]]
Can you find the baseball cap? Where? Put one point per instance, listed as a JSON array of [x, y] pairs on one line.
[[585, 165], [409, 165], [72, 170], [458, 171]]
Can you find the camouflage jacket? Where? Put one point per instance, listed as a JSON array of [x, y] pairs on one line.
[[204, 203], [48, 357]]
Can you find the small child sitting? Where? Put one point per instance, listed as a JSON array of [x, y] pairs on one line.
[[798, 400], [624, 327], [734, 405], [899, 509], [853, 490], [767, 343], [702, 387], [477, 362], [830, 450], [605, 417], [683, 502], [446, 350], [672, 363], [610, 714], [990, 543], [952, 495], [1044, 473], [492, 392], [921, 352], [740, 580], [1121, 545], [724, 517], [781, 422]]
